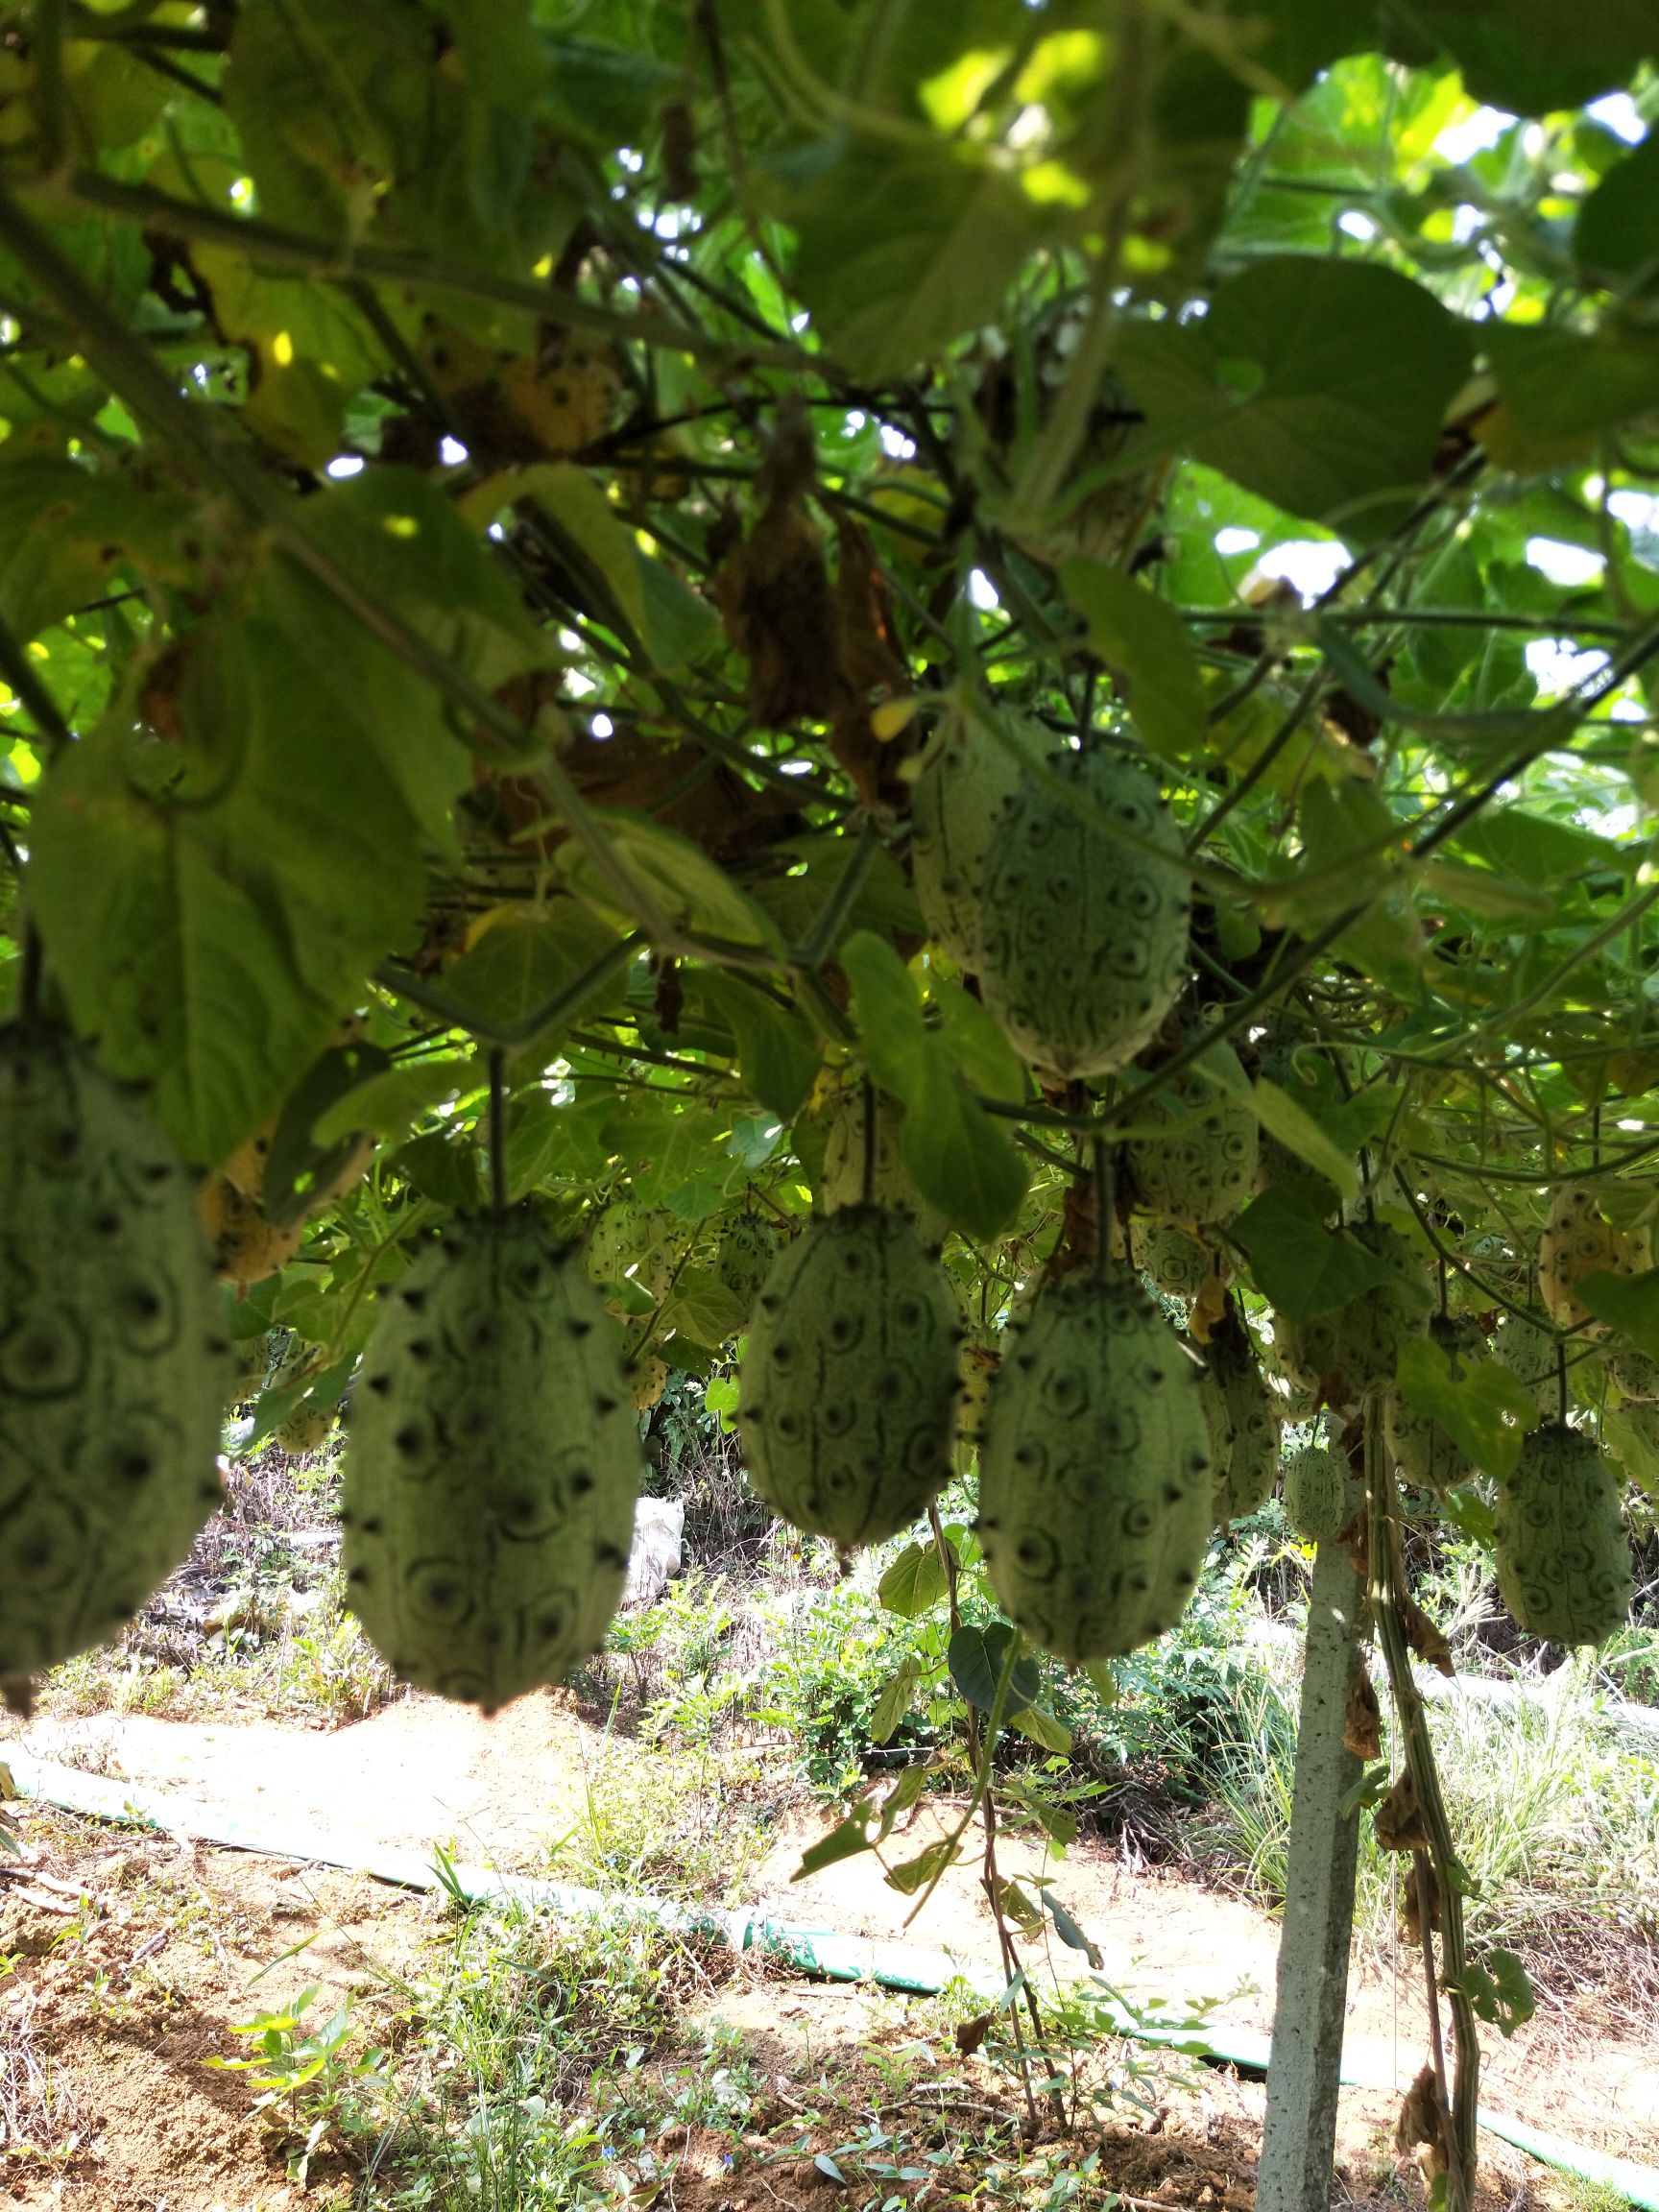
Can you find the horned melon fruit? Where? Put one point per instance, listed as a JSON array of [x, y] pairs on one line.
[[1176, 1262], [746, 1252], [890, 1184], [1355, 1348], [848, 1381], [1082, 937], [1319, 1490], [1097, 1471], [1420, 1448], [307, 1429], [1245, 1427], [114, 1358], [1563, 1558], [1577, 1241], [1530, 1348], [1198, 1164], [953, 813], [630, 1243], [1635, 1373], [493, 1463]]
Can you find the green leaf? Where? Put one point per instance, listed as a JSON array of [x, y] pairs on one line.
[[977, 1658], [1042, 1727], [777, 1053], [670, 621], [974, 1038], [958, 1158], [901, 246], [1058, 1822], [1069, 1932], [845, 1842], [64, 526], [693, 890], [295, 1165], [1285, 388], [1470, 1515], [1302, 1267], [1561, 388], [1282, 1117], [442, 1165], [915, 1581], [1145, 646], [1497, 1984], [1530, 57], [1629, 1303], [390, 1102], [905, 1792], [525, 959], [1484, 1408], [212, 907], [887, 1007], [700, 1306], [1618, 225], [897, 1695], [913, 1874]]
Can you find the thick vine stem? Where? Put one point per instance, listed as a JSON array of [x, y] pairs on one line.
[[1388, 1587]]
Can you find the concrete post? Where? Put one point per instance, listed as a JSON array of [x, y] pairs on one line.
[[1299, 2142]]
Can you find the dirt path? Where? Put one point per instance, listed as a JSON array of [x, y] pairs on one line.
[[509, 1789]]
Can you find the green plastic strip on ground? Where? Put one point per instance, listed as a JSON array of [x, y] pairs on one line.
[[912, 1968]]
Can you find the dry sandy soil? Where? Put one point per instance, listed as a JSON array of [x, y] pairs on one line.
[[113, 2007]]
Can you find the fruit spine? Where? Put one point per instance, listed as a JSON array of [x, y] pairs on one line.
[[493, 1464], [848, 1381], [1096, 1471], [114, 1360], [1082, 936]]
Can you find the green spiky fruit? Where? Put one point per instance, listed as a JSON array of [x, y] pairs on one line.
[[630, 1243], [650, 1379], [493, 1464], [747, 1249], [1096, 1471], [1082, 937], [1563, 1558], [1197, 1163], [1354, 1349], [1636, 1375], [1530, 1348], [952, 817], [114, 1360], [250, 1363], [1245, 1429], [889, 1185], [1420, 1448], [848, 1381], [1577, 1241], [307, 1429], [1319, 1492], [1176, 1262]]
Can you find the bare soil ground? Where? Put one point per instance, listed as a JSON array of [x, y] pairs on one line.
[[134, 1957]]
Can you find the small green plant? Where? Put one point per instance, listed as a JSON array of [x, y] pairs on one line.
[[308, 2079]]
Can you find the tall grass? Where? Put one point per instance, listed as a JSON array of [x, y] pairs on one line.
[[1553, 1812]]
